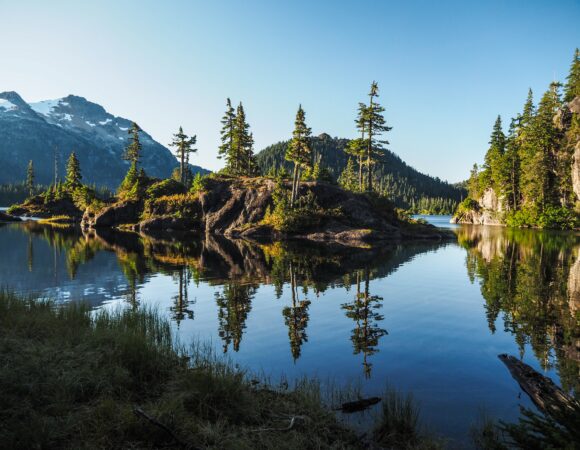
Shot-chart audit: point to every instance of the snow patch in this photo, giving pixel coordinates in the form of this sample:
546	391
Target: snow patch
120	138
67	117
6	105
123	128
45	107
105	122
90	124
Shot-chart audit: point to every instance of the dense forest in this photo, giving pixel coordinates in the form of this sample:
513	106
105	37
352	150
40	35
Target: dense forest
528	175
405	186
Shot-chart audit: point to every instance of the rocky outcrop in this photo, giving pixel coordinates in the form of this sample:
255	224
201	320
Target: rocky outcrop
576	170
114	215
38	207
237	208
487	211
8	218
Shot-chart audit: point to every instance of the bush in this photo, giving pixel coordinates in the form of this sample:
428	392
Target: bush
164	188
199	184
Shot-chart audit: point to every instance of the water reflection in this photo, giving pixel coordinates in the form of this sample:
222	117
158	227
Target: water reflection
532	280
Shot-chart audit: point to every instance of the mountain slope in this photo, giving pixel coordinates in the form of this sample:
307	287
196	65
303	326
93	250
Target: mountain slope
35	131
403	184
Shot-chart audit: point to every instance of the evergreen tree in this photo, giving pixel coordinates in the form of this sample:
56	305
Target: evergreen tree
133	150
184	145
495	171
348	178
30	178
227	132
240	159
572	88
73	172
512	165
375	125
299	151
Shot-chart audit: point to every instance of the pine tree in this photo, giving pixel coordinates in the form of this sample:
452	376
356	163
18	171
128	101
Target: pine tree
357	147
227	132
543	142
184	145
348	178
494	174
512	164
572	88
299	151
240	159
30	178
73	172
375	126
133	151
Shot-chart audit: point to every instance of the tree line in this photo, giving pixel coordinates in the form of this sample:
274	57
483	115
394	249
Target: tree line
529	169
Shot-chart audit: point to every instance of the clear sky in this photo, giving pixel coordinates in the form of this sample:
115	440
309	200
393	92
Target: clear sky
445	68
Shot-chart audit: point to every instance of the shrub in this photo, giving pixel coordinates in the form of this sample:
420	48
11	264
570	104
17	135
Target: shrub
163	188
199	183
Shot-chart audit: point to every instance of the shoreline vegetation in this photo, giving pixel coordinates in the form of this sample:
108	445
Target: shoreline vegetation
120	379
100	379
239	201
531	175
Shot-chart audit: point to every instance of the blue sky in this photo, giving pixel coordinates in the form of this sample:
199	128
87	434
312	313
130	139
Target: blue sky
445	68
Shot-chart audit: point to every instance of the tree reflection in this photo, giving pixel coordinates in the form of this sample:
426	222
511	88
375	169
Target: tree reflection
234	304
180	309
531	280
296	317
364	311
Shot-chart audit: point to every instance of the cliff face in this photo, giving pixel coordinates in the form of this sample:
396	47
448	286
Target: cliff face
488	211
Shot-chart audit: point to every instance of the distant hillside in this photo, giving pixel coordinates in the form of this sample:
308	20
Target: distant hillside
33	132
404	185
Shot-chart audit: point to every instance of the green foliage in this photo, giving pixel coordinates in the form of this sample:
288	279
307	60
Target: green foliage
200	183
165	187
402	184
237	143
75	377
133	186
133	150
73	172
184	147
572	88
348	179
30	178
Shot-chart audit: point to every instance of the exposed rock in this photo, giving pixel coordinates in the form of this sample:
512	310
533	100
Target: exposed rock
237	207
576	170
574	105
36	207
574	286
114	215
8	218
488	211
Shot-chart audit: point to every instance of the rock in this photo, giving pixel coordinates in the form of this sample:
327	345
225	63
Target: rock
8	218
114	215
574	105
576	170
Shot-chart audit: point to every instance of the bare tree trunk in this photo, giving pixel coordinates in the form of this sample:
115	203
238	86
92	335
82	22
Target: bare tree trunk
294	180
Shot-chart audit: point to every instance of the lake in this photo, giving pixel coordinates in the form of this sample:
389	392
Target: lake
423	317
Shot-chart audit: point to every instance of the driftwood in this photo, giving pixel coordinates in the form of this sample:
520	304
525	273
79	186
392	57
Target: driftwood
548	397
288	428
358	405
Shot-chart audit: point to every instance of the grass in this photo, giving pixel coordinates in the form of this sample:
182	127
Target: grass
71	378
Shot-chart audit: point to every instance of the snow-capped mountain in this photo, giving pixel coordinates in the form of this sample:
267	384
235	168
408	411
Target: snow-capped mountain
35	131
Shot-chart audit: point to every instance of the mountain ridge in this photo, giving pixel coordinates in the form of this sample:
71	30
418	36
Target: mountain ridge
35	131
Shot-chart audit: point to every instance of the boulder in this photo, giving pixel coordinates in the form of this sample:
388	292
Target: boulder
114	215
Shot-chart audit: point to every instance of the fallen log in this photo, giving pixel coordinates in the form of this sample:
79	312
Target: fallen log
546	395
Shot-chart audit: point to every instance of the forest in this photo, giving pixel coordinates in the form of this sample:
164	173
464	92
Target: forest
530	169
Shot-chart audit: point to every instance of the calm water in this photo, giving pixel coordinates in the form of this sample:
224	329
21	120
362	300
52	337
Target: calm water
429	318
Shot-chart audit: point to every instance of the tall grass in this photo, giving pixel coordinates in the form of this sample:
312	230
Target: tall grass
70	378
